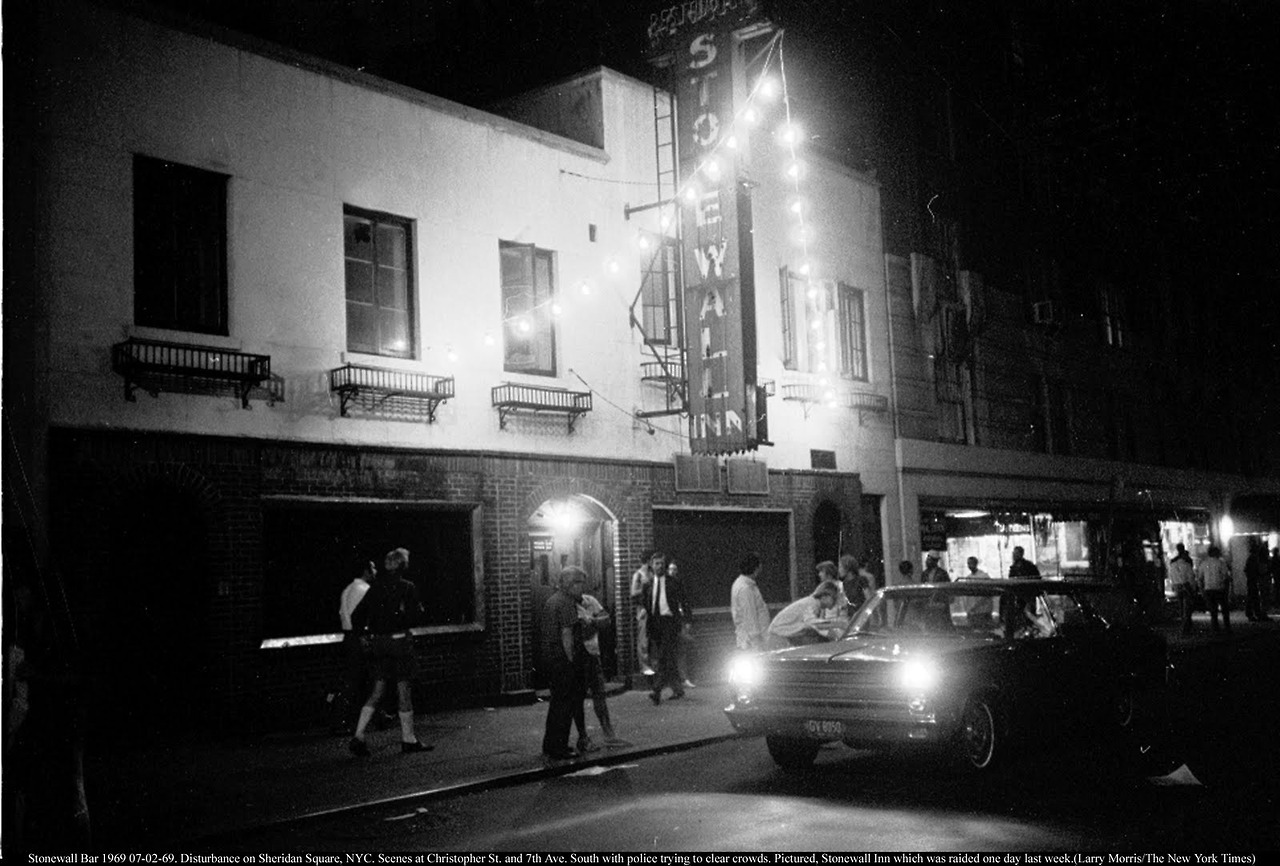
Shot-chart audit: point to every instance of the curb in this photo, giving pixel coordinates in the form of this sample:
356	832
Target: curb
472	786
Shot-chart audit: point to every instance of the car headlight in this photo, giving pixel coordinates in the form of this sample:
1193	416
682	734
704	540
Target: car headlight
918	674
745	671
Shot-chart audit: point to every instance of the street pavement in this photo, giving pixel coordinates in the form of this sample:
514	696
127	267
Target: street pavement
183	794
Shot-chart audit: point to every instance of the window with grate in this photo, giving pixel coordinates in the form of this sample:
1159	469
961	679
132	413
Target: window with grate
179	247
378	251
790	285
528	299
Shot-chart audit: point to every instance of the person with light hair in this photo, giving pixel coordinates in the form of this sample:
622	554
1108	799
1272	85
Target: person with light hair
804	621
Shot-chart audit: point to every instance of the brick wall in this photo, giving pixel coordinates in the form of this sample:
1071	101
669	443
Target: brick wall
218	486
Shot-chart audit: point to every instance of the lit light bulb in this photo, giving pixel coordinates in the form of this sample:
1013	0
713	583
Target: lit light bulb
793	170
804	272
768	88
713	169
585	288
822	366
796	207
665	222
750	115
731	142
831	404
790	134
613	266
453	356
691	195
816	324
488	339
813	293
524	326
556	309
643	241
822	345
830	395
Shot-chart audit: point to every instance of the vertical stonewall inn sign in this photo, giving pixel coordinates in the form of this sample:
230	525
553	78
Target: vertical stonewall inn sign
719	275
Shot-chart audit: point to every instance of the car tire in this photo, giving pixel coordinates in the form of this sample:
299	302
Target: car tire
792	754
980	742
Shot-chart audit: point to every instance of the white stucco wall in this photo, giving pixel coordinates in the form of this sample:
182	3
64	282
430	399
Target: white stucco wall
299	140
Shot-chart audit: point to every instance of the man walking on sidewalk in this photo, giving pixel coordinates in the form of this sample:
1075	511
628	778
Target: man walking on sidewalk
1215	580
564	658
1182	577
667	614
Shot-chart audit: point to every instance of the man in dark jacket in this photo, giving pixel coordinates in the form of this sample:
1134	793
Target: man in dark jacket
668	612
563	656
383	619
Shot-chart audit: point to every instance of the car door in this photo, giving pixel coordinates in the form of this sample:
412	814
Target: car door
1036	666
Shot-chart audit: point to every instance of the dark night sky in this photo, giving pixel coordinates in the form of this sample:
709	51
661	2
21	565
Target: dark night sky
1170	107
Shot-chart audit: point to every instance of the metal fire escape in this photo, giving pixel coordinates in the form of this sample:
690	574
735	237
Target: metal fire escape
658	304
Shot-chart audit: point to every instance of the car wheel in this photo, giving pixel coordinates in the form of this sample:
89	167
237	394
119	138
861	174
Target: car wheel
980	743
792	754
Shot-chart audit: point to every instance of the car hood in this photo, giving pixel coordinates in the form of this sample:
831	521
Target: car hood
882	648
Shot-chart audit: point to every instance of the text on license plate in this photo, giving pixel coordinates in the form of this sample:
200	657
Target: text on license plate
824	728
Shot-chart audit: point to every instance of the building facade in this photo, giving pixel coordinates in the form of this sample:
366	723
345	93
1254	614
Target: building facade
269	318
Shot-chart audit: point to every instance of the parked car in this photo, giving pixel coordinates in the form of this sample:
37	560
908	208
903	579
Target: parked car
975	666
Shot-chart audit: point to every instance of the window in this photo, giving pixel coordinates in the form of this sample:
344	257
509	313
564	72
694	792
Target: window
790	283
528	295
313	549
379	275
1114	324
853	333
179	247
658	314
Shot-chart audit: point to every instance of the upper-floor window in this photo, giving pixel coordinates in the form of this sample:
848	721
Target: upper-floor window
792	286
1114	324
853	333
528	303
824	326
379	275
659	316
179	247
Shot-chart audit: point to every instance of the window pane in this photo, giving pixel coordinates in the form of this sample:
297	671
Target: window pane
517	266
391	245
362	328
393	290
527	294
358	238
359	281
394	329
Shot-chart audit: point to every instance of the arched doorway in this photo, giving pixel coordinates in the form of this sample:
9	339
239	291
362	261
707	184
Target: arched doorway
155	659
826	537
574	530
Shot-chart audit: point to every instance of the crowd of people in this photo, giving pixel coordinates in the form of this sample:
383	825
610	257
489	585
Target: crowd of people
378	611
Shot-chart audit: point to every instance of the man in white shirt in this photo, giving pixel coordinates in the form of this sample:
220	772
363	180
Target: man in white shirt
750	613
353	666
980	609
1182	577
1215	579
641	587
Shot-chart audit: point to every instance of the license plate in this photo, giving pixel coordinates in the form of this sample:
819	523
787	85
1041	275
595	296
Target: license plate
824	728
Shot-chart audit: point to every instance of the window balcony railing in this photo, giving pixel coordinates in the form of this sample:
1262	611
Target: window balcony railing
508	398
156	366
809	395
397	391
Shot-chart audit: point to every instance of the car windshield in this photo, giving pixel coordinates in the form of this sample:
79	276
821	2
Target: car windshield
953	611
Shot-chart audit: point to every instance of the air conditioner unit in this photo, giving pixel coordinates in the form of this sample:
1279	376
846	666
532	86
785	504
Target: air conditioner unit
1042	313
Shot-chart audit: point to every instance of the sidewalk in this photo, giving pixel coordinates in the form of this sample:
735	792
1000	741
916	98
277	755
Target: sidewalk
189	791
184	792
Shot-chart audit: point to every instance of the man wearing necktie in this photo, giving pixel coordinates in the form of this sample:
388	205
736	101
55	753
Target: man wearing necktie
668	612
